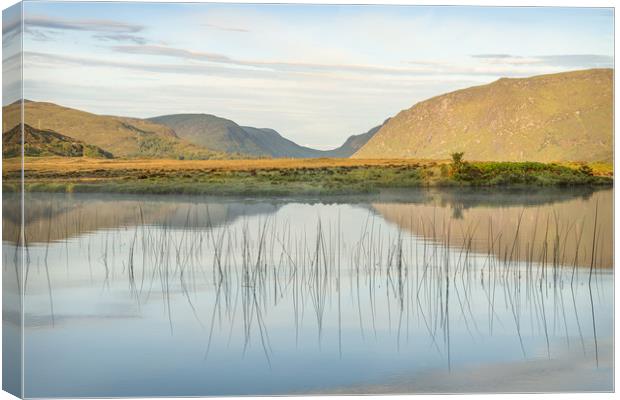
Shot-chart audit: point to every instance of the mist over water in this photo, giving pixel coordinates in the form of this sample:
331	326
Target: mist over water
407	291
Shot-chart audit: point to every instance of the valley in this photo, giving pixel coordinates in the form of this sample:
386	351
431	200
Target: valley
548	130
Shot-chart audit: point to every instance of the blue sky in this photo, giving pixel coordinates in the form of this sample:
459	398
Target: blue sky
315	73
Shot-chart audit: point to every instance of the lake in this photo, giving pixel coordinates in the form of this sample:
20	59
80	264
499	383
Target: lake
413	291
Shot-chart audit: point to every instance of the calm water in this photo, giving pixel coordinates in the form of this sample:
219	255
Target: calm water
420	291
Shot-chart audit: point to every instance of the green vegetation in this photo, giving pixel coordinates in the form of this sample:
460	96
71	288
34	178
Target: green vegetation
521	173
525	173
336	180
40	143
457	161
267	178
156	146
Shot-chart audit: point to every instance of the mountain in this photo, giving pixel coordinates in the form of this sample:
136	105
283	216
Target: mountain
121	136
46	143
354	143
227	136
559	117
275	145
278	146
210	131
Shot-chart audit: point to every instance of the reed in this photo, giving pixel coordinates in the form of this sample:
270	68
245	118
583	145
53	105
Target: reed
393	279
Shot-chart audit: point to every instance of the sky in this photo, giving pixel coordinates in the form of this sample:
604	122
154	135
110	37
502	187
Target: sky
315	73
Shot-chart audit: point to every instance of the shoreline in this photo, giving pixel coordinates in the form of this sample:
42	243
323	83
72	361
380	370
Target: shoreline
281	177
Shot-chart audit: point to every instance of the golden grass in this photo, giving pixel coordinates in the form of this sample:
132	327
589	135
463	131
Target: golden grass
61	165
279	176
64	164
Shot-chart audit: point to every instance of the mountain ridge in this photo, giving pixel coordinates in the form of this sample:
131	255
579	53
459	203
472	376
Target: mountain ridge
566	116
223	134
121	136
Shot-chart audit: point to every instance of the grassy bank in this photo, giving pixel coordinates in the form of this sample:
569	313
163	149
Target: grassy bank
287	176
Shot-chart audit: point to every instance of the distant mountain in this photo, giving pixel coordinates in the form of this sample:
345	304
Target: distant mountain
354	143
46	143
275	145
121	136
559	117
170	136
212	132
227	136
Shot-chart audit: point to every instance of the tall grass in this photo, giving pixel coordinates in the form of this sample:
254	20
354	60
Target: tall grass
394	280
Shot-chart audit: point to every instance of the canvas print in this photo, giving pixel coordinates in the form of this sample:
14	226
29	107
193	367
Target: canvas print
205	199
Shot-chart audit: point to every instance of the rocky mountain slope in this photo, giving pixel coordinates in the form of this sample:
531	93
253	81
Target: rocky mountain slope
47	143
559	117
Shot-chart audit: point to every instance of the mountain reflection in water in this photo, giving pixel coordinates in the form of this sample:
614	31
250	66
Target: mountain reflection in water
254	296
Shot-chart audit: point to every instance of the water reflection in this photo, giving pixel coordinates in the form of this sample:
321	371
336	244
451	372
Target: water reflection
207	297
502	222
53	216
508	225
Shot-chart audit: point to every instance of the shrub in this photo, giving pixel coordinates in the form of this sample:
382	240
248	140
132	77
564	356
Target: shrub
457	161
457	158
586	170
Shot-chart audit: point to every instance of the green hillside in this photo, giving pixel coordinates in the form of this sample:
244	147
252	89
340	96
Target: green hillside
275	145
46	143
213	132
121	136
559	117
227	136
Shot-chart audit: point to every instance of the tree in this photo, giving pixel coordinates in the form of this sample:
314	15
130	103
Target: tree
457	161
457	158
